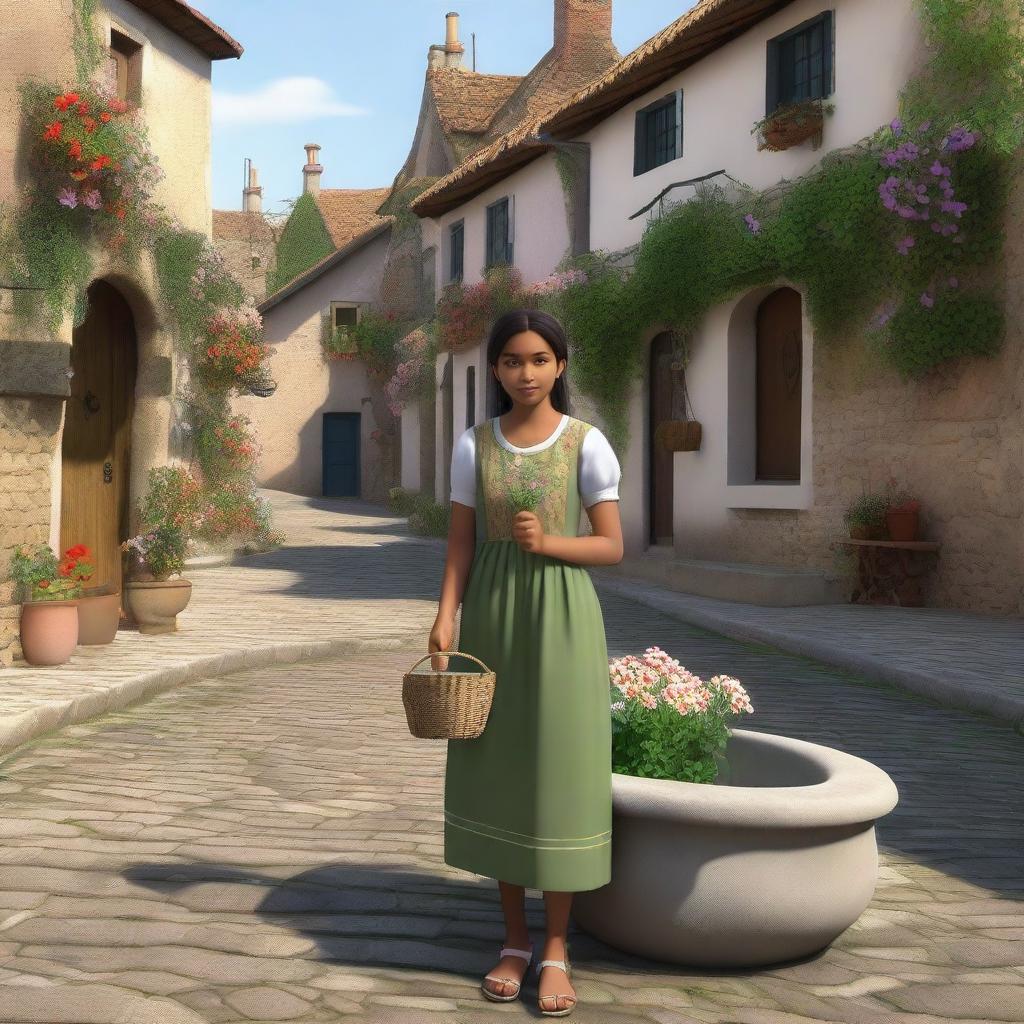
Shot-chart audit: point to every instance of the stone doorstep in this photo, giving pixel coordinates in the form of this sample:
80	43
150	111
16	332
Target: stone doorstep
767	585
121	692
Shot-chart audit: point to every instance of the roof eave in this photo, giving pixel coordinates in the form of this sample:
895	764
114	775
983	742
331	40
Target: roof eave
193	26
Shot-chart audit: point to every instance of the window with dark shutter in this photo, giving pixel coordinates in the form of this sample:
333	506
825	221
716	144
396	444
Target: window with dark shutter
456	242
800	63
125	66
499	248
658	133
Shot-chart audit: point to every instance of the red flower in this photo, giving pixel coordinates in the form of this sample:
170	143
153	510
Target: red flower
43	584
120	212
89	123
105	116
65	569
75	150
62	103
72	97
100	162
83	107
78	551
118	106
79	175
53	130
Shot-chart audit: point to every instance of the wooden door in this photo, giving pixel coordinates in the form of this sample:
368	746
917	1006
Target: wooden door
96	444
779	375
660	405
341	455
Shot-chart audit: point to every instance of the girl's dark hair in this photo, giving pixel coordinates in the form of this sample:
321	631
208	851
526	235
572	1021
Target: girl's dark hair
515	321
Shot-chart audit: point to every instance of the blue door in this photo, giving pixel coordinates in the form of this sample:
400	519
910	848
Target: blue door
341	455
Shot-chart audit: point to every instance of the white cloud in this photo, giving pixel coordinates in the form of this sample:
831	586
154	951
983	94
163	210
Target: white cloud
281	101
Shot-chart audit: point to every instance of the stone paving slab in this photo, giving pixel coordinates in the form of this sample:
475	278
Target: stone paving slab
268	846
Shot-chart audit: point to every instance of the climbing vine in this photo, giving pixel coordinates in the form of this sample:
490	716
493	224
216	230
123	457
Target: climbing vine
304	241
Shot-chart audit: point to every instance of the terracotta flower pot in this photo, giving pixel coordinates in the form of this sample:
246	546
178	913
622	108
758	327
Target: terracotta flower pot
902	525
99	611
49	631
155	604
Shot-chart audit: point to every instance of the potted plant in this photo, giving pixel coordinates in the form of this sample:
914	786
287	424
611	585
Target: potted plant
770	862
154	599
902	513
866	517
99	608
790	124
49	611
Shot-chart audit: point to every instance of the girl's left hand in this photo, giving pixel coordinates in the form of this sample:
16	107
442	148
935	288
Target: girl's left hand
528	532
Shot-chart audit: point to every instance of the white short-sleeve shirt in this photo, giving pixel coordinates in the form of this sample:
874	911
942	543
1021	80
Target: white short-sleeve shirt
599	471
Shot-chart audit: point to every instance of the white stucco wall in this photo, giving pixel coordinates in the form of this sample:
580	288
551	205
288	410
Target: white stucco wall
289	424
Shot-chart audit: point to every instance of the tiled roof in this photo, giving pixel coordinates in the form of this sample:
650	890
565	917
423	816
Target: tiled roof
467	101
237	226
348	212
709	25
190	24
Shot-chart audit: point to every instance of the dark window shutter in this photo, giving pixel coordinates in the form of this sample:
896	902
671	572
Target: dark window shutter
638	144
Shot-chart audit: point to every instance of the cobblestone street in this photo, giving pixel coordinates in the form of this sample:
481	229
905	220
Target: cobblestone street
267	846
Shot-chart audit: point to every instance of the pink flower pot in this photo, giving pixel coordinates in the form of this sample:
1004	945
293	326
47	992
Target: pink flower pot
99	611
902	525
155	603
49	631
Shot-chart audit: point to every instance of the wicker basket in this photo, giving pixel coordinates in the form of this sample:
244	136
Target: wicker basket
678	435
447	705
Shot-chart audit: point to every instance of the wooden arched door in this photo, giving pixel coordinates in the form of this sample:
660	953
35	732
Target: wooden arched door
96	445
660	404
779	390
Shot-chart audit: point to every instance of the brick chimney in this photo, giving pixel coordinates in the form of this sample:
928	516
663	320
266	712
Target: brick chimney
450	54
579	22
312	171
252	195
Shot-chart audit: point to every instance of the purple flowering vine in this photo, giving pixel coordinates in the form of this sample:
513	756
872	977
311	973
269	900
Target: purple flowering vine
753	223
67	197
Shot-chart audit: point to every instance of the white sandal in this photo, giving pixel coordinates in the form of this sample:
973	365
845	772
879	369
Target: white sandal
562	965
527	955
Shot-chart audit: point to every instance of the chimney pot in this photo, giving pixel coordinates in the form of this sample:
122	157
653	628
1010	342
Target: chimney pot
252	195
313	169
451	42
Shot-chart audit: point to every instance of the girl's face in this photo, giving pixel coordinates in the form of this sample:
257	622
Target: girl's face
528	362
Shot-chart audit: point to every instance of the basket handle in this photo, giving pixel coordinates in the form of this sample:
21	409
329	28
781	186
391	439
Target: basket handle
446	654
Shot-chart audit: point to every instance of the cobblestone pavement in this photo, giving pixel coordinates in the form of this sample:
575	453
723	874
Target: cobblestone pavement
268	846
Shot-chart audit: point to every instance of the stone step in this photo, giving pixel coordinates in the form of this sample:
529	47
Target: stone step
772	585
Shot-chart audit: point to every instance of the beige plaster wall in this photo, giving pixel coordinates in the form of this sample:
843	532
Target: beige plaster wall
289	424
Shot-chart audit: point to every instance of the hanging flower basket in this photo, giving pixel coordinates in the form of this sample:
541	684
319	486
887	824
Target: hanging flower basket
792	124
679	435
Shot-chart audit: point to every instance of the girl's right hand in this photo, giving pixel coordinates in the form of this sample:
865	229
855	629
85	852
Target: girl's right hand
440	640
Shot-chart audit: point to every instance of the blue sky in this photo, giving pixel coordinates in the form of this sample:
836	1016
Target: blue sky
349	75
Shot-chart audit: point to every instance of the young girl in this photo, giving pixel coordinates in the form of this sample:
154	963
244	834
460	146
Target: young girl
529	801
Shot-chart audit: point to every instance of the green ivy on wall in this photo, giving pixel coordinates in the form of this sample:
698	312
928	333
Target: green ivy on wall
304	241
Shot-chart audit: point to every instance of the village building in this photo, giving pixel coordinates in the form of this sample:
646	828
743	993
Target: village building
85	414
756	512
329	430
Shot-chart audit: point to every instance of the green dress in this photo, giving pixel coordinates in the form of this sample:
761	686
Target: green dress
529	801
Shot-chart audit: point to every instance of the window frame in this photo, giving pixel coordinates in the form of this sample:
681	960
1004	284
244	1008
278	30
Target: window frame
457	272
774	54
341	304
126	53
642	132
508	202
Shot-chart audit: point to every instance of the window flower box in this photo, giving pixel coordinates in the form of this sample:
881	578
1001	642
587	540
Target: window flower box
791	125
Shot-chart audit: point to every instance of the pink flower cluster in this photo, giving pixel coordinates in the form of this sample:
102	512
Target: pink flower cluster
557	282
658	678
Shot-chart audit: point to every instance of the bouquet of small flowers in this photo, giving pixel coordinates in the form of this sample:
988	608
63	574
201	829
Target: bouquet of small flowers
234	352
668	723
162	550
524	489
43	577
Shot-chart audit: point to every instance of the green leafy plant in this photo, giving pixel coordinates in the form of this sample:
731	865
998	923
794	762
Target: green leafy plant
867	510
667	723
160	551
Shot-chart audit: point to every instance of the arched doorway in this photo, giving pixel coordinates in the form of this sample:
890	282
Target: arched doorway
779	374
660	384
96	444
